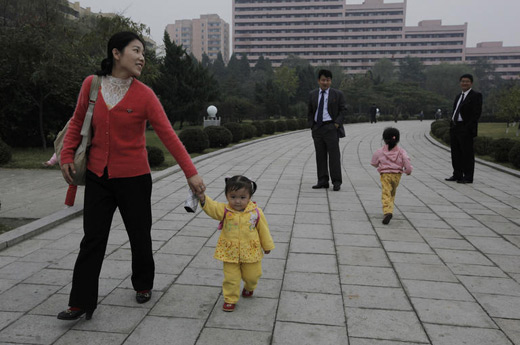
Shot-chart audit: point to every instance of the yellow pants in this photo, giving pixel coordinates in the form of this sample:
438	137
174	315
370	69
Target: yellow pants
389	184
250	273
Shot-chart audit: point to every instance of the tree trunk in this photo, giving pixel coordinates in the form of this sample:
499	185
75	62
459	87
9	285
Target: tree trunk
40	118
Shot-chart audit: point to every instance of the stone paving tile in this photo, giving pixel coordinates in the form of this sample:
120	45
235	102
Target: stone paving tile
312	282
187	301
449	335
289	333
401	235
436	290
508	263
494	245
34	329
407	247
511	328
365	341
414	258
165	331
301	307
108	319
373	276
90	338
183	245
20	271
314	263
449	243
500	306
24	297
463	257
312	231
356	240
385	324
254	314
454	313
362	256
476	270
7	317
212	336
499	286
316	246
373	297
439	273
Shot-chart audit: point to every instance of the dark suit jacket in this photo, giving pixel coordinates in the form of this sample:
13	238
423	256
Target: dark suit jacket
336	106
470	110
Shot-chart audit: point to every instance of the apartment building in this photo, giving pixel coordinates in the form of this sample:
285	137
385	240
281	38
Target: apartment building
354	36
208	34
506	60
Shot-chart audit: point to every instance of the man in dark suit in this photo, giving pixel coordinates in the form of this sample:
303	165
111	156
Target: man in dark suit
326	109
373	112
464	123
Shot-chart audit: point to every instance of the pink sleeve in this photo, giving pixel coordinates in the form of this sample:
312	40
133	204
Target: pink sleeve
169	138
375	159
406	163
73	135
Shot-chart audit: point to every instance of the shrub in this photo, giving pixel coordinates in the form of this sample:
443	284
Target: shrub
5	153
260	128
362	118
194	139
387	118
269	127
248	130
236	130
291	124
483	145
441	132
155	156
501	148
280	126
218	136
514	155
446	137
302	123
438	124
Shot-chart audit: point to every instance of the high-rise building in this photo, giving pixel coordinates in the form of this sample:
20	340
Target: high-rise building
356	36
209	34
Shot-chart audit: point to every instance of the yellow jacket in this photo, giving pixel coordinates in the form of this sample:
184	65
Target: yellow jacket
240	240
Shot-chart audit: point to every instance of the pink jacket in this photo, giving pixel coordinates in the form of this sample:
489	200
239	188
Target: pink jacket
394	161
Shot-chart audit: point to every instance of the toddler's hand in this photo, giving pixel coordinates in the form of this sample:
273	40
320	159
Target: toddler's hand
267	251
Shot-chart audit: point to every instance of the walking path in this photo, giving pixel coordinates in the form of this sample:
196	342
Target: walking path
445	271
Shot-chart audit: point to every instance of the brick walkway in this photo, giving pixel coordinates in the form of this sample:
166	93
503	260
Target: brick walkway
446	271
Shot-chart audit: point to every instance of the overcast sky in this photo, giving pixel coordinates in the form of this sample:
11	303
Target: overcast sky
488	20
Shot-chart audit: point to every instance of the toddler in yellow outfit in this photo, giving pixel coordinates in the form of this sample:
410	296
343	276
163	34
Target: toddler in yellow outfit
391	161
243	240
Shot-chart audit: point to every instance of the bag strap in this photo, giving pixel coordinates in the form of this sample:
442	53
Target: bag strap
94	88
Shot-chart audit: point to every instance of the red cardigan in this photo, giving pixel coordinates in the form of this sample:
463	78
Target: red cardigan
118	141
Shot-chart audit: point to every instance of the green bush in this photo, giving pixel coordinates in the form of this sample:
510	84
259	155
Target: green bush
235	129
501	148
437	124
406	116
248	130
387	118
441	132
280	126
218	136
269	127
5	153
446	137
260	128
362	118
514	155
194	139
155	156
483	145
302	123
291	124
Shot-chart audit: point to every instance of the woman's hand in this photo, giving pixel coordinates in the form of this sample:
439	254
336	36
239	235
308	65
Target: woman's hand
67	170
196	184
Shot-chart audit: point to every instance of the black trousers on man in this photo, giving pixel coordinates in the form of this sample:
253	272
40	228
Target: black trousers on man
102	196
462	153
326	144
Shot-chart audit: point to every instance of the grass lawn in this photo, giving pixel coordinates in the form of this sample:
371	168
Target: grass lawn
497	130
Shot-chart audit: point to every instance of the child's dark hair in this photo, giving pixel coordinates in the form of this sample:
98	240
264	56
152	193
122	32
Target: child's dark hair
238	182
391	137
118	41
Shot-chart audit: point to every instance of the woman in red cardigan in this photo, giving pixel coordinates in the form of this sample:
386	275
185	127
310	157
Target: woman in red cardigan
118	173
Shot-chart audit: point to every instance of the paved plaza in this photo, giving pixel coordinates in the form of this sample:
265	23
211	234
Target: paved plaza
445	271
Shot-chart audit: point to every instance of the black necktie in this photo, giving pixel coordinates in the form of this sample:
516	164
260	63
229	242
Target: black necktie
319	118
457	111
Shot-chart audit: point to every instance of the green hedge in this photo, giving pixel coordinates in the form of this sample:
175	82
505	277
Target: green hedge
235	129
194	139
248	131
155	156
218	136
269	127
501	148
260	128
483	146
514	155
6	154
280	126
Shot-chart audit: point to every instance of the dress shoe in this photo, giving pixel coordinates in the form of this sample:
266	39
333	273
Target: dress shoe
320	185
387	218
74	314
464	181
452	178
143	296
336	187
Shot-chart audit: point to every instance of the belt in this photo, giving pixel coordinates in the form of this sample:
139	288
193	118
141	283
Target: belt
326	122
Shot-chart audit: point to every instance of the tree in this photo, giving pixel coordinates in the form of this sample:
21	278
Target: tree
443	79
411	69
509	105
384	71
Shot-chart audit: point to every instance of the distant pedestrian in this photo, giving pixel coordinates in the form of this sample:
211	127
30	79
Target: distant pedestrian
71	191
421	115
373	113
244	234
438	115
391	161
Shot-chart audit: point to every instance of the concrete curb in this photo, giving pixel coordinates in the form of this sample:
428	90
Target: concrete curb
39	226
498	167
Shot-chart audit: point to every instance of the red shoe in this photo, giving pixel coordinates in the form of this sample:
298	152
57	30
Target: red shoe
246	293
228	307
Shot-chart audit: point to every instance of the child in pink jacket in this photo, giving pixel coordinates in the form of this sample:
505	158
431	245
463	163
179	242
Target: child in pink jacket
390	160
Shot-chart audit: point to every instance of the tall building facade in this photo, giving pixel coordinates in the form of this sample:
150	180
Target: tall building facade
207	35
356	36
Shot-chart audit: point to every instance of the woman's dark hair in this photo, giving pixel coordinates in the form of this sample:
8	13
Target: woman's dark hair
118	41
391	137
238	182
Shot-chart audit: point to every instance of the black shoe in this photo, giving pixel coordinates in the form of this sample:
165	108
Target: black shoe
387	218
70	314
143	296
452	178
464	181
320	185
336	187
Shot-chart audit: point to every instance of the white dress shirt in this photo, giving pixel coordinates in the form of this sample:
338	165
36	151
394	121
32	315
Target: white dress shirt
326	115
